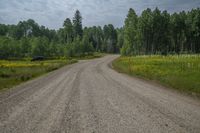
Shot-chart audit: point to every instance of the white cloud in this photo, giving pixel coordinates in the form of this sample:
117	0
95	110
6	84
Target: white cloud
52	13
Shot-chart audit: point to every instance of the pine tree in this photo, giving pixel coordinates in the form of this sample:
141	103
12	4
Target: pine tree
77	24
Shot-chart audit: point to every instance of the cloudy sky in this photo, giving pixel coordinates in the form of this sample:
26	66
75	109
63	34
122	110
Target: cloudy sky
52	13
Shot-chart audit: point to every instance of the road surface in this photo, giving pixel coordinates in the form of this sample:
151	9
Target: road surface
90	97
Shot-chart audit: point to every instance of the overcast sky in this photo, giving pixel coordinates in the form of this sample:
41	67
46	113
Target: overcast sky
51	13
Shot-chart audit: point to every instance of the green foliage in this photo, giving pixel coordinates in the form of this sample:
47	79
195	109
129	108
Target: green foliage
77	24
15	72
39	47
180	72
3	29
68	31
87	47
110	39
25	47
9	48
153	32
96	36
74	48
130	34
120	38
80	47
28	39
156	32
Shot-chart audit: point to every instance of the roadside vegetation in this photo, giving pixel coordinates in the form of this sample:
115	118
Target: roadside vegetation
170	39
180	72
28	39
154	32
159	32
16	72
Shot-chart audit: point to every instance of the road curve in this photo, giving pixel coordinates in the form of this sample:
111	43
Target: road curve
90	97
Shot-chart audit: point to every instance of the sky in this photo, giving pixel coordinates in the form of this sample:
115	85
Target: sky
52	13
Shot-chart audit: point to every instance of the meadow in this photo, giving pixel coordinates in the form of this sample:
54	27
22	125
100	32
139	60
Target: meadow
181	72
16	72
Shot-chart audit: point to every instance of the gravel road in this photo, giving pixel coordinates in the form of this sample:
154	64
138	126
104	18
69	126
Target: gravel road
90	97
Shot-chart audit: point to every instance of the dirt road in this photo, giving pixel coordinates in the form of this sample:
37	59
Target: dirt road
90	97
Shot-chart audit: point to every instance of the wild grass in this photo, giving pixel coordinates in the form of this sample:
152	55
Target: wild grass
181	72
15	72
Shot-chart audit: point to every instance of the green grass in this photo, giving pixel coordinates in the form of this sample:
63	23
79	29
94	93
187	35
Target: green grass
180	72
15	72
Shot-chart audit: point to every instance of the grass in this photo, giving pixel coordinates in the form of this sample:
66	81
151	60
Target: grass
15	72
180	72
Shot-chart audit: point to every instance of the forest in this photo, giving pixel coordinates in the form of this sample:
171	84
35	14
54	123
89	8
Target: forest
152	32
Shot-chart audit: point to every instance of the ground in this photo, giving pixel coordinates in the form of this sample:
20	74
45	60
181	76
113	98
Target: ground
91	97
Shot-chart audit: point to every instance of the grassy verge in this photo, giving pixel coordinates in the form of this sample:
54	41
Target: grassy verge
180	72
16	72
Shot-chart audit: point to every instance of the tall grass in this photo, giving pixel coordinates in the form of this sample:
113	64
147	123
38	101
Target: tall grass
15	72
181	72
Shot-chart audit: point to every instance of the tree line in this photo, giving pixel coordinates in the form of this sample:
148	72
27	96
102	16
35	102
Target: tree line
158	32
152	32
29	39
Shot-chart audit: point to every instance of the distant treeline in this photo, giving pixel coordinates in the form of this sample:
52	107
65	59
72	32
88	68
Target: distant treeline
153	32
28	39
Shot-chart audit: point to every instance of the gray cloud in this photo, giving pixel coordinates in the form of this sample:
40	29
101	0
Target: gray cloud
52	13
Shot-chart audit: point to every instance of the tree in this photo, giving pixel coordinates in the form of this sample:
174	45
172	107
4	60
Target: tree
153	32
87	47
95	35
4	47
178	31
9	48
145	26
110	39
165	45
157	31
3	29
77	24
25	47
130	46
68	30
32	28
75	48
196	30
61	35
40	46
120	39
